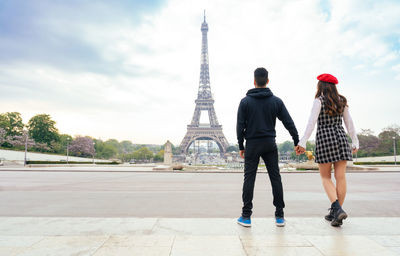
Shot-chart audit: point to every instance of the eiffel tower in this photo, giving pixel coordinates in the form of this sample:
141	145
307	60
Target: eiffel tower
205	104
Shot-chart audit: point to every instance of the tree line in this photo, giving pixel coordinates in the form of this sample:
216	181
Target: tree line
370	144
40	134
380	145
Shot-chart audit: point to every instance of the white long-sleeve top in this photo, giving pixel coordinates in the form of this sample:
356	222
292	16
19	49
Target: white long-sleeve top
316	109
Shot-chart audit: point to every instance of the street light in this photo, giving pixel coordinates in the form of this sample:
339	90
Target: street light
67	150
394	150
26	146
94	151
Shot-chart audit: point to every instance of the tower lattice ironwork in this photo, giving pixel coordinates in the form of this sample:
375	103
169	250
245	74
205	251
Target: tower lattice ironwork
205	104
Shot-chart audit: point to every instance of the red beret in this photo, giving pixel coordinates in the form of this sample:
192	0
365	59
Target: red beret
328	78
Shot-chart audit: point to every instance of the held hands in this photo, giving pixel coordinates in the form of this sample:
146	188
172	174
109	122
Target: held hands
355	150
241	153
299	150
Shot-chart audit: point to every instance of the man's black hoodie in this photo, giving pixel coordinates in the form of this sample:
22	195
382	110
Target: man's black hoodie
257	115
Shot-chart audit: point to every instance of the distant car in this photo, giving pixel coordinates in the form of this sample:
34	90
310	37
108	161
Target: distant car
132	161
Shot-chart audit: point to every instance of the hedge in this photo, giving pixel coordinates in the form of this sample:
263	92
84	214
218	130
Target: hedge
375	163
69	162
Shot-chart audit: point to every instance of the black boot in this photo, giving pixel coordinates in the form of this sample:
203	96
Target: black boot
329	217
338	214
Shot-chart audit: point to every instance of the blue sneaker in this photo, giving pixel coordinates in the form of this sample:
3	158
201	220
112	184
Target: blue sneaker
245	222
280	221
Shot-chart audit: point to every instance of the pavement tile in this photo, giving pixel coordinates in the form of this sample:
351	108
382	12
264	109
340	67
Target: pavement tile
10	251
282	251
351	226
193	226
133	251
207	245
372	226
12	245
267	226
19	241
139	241
348	246
275	240
65	245
386	240
395	250
53	226
219	226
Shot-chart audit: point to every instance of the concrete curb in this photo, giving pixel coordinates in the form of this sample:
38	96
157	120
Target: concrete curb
191	171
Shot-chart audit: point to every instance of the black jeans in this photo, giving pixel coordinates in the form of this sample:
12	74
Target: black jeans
267	149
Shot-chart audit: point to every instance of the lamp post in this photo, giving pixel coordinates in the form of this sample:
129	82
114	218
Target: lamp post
394	150
26	146
94	151
67	150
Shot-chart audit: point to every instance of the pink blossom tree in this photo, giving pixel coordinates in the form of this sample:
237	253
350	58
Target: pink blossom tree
82	146
20	140
2	136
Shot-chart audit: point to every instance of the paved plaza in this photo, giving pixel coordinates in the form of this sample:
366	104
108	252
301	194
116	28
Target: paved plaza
200	236
148	213
185	195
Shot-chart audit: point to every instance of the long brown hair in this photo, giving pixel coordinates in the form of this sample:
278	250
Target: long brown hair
334	102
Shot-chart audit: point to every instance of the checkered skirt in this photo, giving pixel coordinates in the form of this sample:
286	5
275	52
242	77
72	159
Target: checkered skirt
331	144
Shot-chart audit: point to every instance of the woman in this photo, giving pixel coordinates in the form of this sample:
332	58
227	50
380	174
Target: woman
331	145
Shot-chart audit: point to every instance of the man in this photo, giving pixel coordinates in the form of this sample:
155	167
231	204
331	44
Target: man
256	120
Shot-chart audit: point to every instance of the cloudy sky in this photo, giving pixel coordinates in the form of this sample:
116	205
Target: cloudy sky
130	69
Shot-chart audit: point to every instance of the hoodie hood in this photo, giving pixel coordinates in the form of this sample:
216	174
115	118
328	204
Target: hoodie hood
259	92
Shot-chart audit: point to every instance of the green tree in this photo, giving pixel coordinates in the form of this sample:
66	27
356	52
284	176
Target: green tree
386	140
310	146
12	123
43	129
286	146
108	151
159	157
105	150
60	146
369	143
127	146
232	148
143	154
176	150
127	157
115	144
